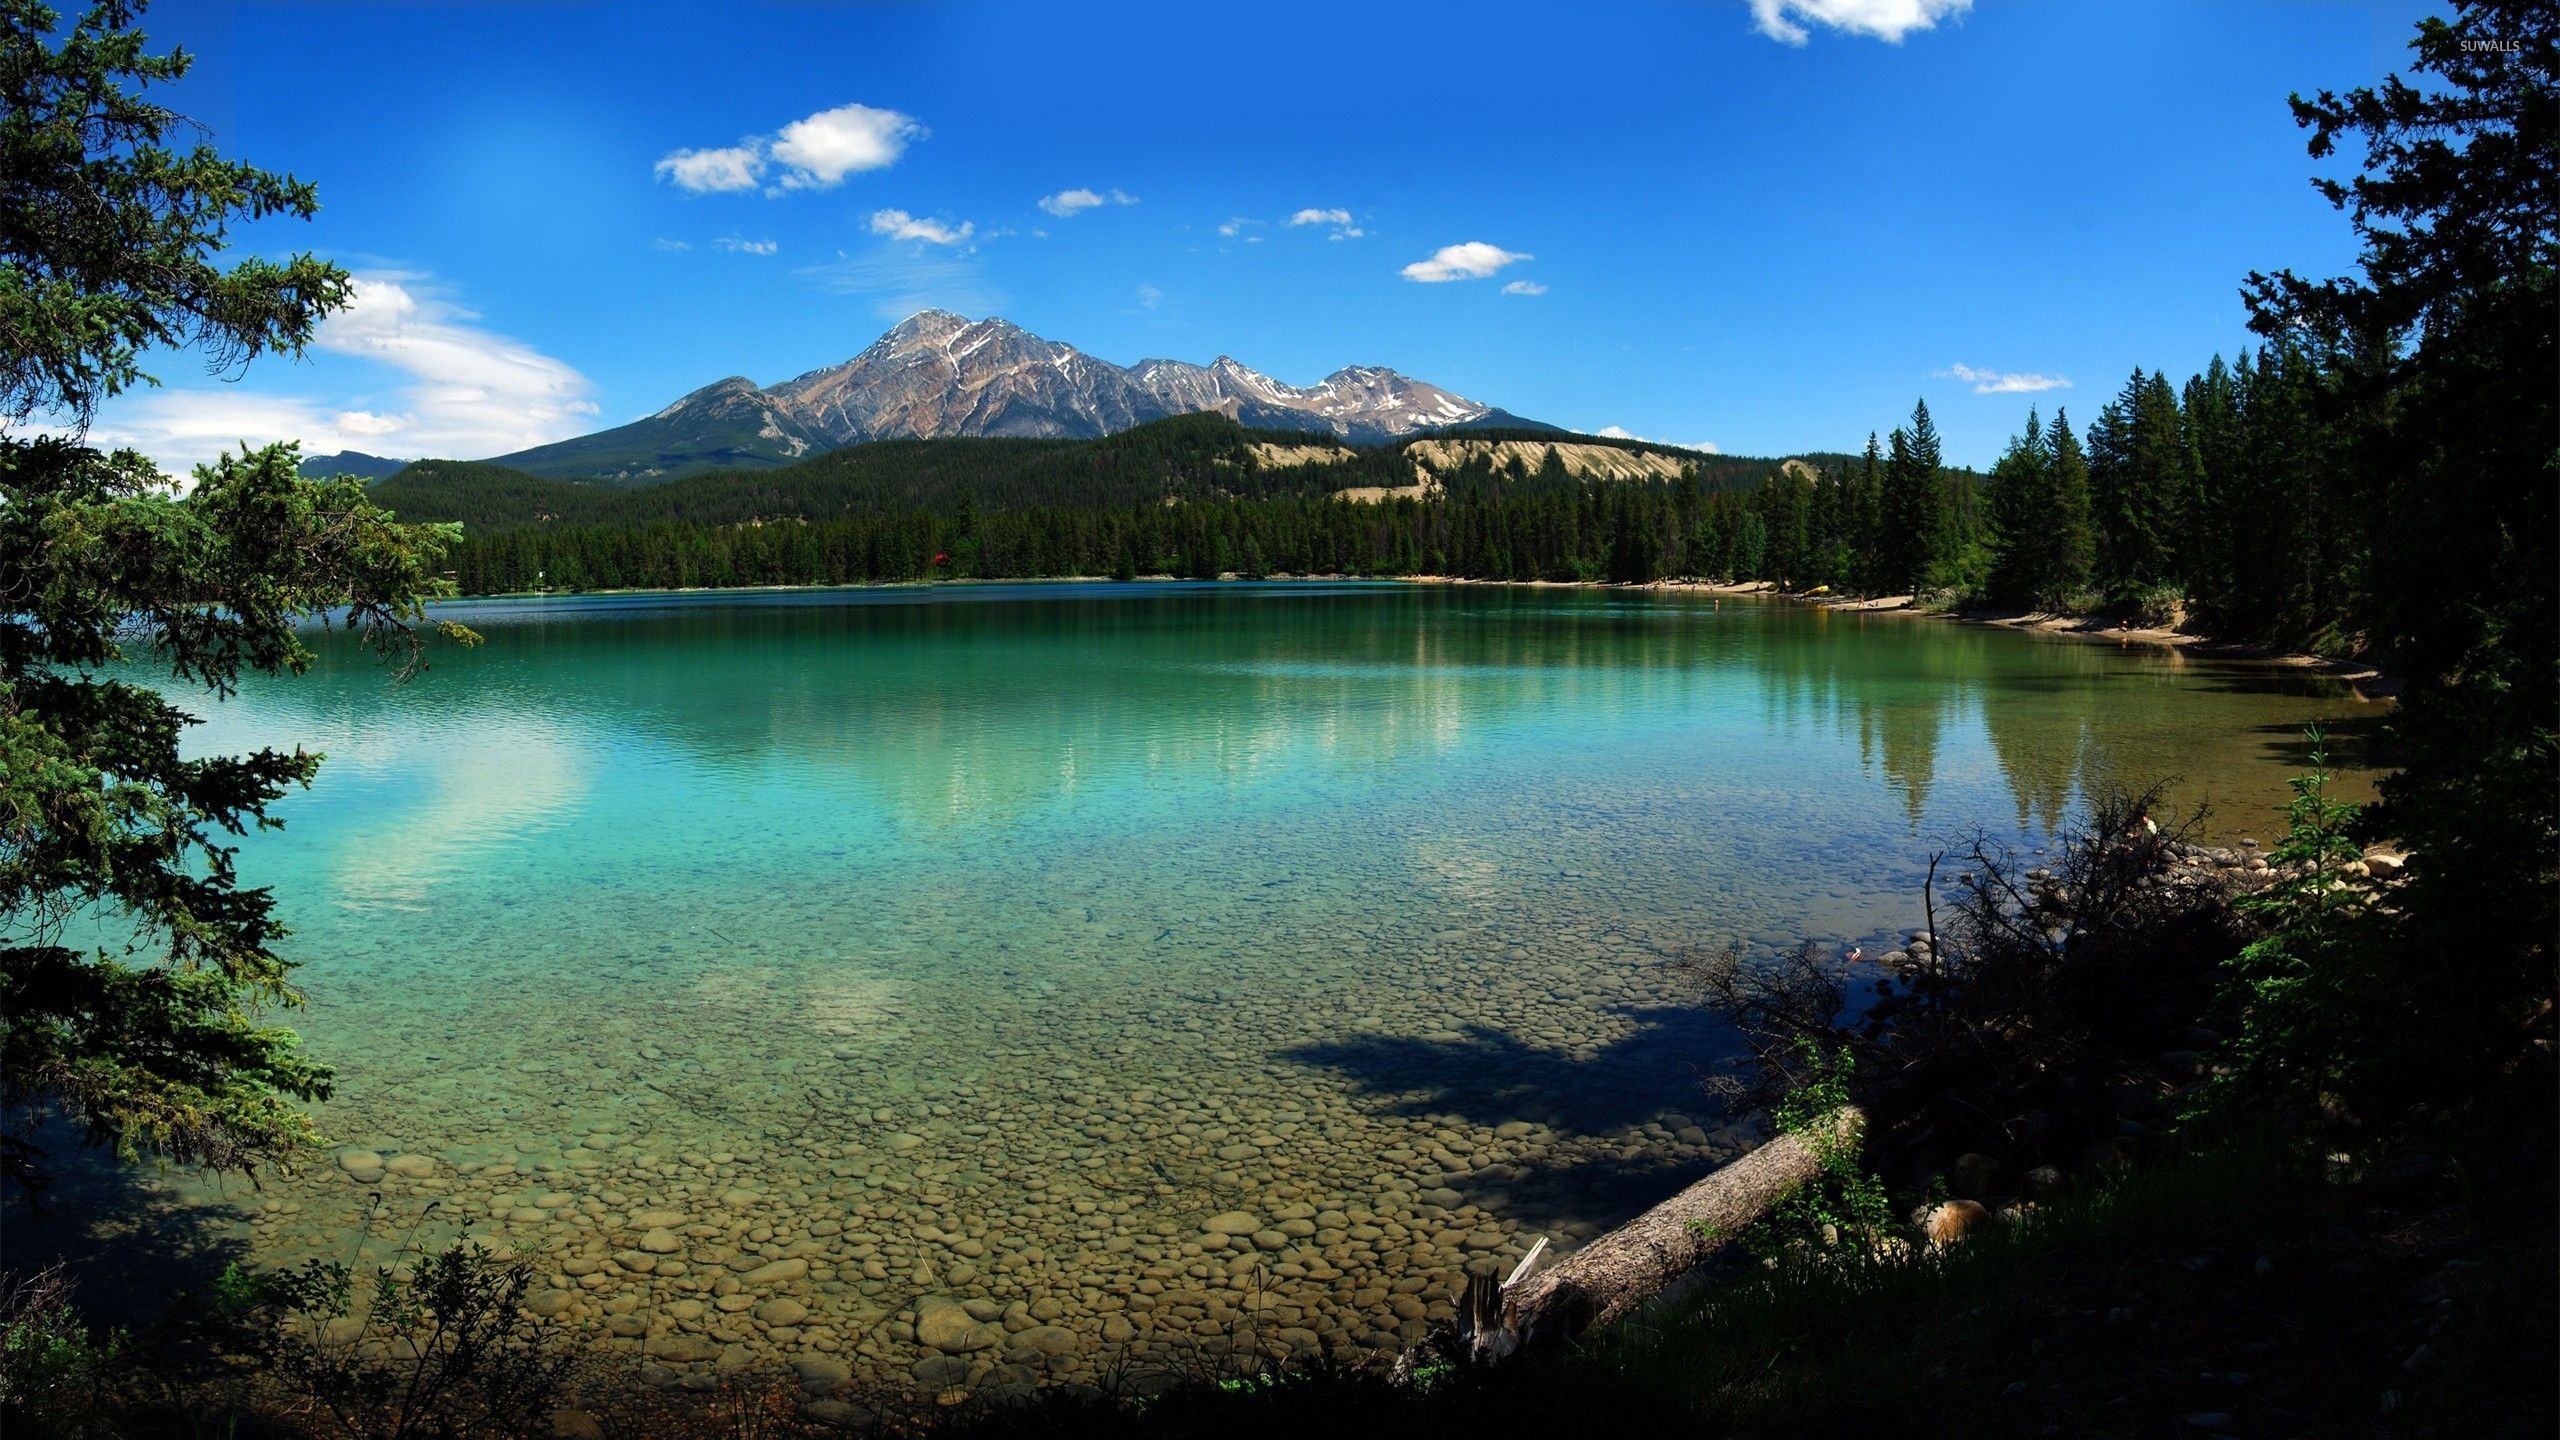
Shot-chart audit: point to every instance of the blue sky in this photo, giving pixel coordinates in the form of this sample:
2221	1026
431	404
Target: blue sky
1765	225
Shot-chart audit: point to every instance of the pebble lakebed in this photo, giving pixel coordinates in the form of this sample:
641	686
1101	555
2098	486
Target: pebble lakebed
1073	1211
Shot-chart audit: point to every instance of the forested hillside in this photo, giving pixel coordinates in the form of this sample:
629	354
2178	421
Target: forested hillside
1185	496
2225	498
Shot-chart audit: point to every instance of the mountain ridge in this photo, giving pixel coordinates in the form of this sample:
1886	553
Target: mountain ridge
938	374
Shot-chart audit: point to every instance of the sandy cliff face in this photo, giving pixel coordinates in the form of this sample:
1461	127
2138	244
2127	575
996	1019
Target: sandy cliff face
1432	458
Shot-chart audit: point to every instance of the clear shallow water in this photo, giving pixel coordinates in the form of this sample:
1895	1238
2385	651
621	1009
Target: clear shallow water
1010	943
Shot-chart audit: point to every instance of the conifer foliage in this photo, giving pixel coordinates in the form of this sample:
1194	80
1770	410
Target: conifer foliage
134	968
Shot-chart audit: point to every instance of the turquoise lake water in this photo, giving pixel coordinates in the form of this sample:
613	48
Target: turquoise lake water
1008	943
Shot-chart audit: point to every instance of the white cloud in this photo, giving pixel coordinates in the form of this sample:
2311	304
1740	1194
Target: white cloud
737	246
1079	200
1338	218
899	225
662	243
1149	297
705	172
1235	228
832	144
464	391
1621	432
1473	260
1524	287
814	153
1887	20
1993	382
365	422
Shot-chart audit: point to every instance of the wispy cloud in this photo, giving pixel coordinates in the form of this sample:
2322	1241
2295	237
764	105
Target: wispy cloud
1149	297
1887	20
1994	382
900	280
1621	432
663	243
1235	229
1473	260
899	225
1524	287
813	153
1338	218
463	391
736	245
1077	201
708	172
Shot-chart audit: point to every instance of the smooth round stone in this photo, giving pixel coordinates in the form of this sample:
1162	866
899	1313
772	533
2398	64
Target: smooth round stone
1049	1339
1232	1222
782	1312
819	1374
945	1324
661	1242
410	1167
682	1349
547	1303
356	1162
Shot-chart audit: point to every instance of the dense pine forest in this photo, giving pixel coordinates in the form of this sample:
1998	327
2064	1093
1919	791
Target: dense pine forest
2224	499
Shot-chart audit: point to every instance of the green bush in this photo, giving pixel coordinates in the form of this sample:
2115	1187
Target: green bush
55	1374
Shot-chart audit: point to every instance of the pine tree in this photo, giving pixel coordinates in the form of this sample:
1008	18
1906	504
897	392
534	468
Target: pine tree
1866	519
2074	544
2138	477
108	251
1913	520
2019	506
2215	527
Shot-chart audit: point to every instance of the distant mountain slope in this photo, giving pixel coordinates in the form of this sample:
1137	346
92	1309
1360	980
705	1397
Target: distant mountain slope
350	462
485	493
938	375
726	425
1187	458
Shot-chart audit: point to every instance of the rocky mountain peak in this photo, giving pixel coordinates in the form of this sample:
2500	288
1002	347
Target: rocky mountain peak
734	388
936	373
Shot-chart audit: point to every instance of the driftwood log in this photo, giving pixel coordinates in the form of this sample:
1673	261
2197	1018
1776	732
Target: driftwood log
1613	1276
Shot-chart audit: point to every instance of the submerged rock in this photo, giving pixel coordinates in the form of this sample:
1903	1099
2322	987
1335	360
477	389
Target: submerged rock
943	1323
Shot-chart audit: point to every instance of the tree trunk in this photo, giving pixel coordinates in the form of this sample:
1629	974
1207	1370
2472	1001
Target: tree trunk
1613	1276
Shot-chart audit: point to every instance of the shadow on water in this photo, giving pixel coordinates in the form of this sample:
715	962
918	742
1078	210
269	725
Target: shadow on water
2355	743
122	1231
1640	1088
1486	1076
